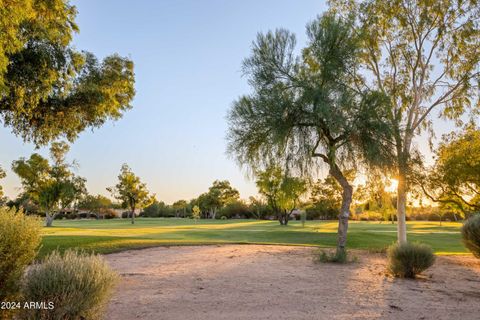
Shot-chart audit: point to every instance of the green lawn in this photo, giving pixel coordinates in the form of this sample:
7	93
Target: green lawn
105	236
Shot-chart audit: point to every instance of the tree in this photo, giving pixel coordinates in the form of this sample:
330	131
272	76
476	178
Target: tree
425	57
454	179
219	194
196	213
180	206
307	108
95	204
281	191
53	187
131	191
49	90
325	198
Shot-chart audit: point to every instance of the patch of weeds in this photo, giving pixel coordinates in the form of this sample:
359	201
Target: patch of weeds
337	256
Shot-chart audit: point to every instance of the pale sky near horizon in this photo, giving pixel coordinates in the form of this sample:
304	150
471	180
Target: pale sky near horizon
187	57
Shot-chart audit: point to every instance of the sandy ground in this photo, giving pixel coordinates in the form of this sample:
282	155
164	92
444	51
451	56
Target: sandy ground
276	282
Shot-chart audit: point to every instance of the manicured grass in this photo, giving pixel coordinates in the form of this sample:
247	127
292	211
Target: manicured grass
105	236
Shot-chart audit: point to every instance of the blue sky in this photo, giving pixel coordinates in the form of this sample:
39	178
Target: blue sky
187	56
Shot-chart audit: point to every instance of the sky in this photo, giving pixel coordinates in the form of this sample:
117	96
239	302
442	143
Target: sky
187	56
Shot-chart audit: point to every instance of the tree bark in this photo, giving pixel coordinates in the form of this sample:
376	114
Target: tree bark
133	216
345	208
49	219
402	207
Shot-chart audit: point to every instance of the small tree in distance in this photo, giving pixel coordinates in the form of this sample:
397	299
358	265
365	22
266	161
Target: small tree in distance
196	213
130	191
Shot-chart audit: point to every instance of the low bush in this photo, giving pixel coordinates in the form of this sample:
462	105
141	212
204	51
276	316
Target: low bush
409	259
338	256
78	284
471	234
20	237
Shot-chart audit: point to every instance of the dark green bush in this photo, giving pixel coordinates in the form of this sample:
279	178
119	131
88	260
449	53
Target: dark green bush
78	284
471	234
20	236
409	259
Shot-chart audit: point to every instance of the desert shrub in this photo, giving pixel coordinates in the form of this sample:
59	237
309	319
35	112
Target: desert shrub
19	241
409	259
471	234
78	284
337	256
223	218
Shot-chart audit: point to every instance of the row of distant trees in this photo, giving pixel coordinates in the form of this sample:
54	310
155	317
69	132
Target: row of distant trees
50	187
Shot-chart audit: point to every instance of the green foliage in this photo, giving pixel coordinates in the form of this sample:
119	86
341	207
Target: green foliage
235	209
325	199
78	284
339	256
48	89
96	204
20	238
423	56
50	186
131	191
281	191
196	213
220	194
223	218
406	260
454	180
471	234
3	200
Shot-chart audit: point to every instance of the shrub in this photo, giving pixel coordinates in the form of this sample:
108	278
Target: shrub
78	284
409	259
19	241
223	218
339	256
471	234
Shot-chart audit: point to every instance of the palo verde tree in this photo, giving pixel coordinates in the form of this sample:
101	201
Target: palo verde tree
53	187
454	179
49	90
131	191
425	57
308	108
281	191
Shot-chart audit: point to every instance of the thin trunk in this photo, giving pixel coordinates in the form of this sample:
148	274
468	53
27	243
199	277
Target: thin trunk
133	216
402	207
345	208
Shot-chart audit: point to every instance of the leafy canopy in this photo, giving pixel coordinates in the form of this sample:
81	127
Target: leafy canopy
48	89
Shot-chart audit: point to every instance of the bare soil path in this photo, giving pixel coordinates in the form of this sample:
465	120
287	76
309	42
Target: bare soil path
278	282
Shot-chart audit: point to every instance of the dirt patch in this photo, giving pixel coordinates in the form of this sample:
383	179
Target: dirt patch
277	282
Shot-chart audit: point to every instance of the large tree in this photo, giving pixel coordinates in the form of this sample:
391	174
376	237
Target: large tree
131	191
425	57
281	191
454	179
53	187
48	89
308	107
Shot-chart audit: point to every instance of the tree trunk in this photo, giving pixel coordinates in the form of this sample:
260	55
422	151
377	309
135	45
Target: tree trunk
49	219
402	207
133	216
345	208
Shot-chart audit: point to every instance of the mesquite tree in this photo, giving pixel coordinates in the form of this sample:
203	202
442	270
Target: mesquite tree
425	57
308	107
